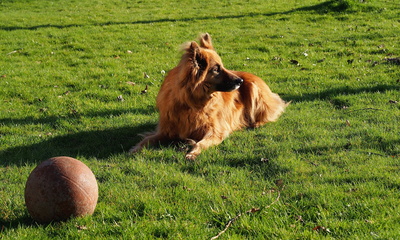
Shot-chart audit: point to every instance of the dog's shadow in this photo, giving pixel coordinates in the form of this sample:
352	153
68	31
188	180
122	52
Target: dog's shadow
98	144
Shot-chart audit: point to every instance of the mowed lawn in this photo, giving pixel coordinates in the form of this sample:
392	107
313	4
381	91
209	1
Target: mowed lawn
80	78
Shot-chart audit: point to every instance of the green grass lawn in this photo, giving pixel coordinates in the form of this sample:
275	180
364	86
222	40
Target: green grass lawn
72	75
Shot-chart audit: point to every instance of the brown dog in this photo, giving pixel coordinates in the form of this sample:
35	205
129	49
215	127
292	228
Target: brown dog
202	102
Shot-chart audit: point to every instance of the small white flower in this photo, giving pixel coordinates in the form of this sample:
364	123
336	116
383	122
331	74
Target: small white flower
120	98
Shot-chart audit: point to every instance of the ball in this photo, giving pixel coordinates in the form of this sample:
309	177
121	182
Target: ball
60	188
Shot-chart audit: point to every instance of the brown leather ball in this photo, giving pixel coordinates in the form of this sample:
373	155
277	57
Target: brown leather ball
60	188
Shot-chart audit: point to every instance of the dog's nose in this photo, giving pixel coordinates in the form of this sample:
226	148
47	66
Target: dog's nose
238	81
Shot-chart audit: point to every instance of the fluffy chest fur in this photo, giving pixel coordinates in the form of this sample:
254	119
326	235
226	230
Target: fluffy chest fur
219	115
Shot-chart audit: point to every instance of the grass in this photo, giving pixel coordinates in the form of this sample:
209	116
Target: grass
333	156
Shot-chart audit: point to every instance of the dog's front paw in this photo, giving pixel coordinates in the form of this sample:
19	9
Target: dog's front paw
191	156
194	152
134	149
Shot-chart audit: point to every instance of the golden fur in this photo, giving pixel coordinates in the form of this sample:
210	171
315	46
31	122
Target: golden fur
202	102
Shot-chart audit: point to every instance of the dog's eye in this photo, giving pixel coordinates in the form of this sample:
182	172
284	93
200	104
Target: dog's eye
216	69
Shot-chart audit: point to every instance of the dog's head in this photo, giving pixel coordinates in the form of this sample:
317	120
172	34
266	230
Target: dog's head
206	68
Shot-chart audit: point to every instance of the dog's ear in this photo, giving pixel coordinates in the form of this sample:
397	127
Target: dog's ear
205	41
198	59
194	47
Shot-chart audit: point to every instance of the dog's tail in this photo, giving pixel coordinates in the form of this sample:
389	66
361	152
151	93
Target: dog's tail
261	104
275	106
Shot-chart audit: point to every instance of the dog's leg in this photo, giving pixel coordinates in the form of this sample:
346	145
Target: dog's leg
149	140
203	144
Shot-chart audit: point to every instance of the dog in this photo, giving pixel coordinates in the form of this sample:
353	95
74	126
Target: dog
202	102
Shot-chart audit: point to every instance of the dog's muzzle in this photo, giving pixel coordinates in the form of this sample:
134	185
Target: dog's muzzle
230	85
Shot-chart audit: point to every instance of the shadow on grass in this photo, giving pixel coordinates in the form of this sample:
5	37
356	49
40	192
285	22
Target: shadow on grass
94	143
52	120
330	93
100	144
24	221
334	6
